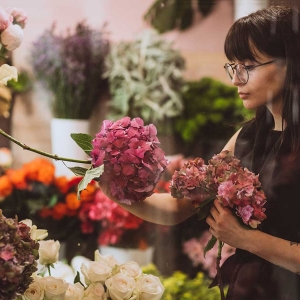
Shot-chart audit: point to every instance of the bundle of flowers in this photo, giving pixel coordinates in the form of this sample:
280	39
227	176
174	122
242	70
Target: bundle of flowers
71	67
132	160
18	254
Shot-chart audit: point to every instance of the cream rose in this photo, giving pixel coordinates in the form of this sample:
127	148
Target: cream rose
149	287
8	73
112	262
121	287
94	271
131	269
35	234
54	288
95	291
12	37
48	252
34	292
74	292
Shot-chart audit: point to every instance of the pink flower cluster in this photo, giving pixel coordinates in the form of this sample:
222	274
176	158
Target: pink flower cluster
194	249
12	22
133	162
225	179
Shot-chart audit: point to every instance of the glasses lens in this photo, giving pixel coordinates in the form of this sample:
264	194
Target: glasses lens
229	71
242	73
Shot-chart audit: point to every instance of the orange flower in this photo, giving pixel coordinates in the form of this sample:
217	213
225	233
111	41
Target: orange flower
59	210
6	186
89	193
17	177
62	184
45	212
72	201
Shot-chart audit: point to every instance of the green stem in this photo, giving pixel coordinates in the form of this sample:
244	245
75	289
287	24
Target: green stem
220	283
48	267
54	156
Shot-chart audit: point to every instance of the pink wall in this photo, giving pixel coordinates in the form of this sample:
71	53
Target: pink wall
201	45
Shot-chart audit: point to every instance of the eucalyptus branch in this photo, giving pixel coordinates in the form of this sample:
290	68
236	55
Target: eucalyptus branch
53	156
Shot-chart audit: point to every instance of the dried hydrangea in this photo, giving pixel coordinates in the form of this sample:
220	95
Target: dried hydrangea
225	179
18	255
133	162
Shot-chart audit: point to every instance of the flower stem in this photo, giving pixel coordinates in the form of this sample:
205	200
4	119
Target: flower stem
54	156
49	270
220	283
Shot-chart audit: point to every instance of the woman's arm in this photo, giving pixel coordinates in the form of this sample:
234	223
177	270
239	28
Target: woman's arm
226	228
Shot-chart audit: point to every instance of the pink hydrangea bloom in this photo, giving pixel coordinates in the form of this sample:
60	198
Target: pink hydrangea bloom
133	162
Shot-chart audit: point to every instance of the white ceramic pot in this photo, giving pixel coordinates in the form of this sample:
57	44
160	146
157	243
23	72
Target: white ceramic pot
122	255
64	146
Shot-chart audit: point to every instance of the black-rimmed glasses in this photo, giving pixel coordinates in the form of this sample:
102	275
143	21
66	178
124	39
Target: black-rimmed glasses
241	70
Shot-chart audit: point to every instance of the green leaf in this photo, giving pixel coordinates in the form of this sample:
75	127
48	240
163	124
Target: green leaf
210	245
88	177
77	279
79	171
84	141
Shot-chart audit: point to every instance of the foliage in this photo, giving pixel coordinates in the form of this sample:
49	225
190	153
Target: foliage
179	286
211	109
165	15
145	79
71	67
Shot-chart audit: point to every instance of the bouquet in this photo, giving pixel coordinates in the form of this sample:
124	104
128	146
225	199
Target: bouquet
223	178
71	67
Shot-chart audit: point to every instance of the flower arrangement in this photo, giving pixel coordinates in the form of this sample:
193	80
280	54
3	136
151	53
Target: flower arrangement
71	67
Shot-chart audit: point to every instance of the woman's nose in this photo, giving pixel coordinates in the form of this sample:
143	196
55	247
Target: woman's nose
235	80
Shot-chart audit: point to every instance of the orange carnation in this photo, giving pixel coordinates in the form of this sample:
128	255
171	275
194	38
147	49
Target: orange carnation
62	184
59	210
17	177
89	193
6	186
72	201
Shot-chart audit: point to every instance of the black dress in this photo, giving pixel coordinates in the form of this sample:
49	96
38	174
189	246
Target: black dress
250	277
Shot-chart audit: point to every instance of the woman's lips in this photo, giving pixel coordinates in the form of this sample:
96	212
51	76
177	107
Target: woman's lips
244	95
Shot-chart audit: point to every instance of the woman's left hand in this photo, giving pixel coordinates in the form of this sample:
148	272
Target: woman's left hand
224	225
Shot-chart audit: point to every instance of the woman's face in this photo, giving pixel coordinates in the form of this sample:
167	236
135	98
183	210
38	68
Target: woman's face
265	85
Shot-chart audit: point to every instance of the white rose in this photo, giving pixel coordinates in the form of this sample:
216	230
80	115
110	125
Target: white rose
12	37
120	287
34	292
112	262
8	73
48	252
62	270
74	292
35	234
54	288
131	269
94	271
149	287
95	291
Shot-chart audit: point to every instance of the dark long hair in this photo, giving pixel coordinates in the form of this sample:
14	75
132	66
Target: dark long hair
274	31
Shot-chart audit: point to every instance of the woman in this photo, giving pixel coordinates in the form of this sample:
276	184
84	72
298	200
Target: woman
264	53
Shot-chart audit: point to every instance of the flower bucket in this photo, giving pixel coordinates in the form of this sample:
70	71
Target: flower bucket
122	255
64	146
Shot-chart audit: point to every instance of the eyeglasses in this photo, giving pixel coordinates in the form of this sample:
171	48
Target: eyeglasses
241	70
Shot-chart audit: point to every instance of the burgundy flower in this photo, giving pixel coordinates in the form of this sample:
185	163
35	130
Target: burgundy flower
133	162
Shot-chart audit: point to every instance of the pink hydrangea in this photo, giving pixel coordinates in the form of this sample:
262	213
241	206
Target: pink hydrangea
133	162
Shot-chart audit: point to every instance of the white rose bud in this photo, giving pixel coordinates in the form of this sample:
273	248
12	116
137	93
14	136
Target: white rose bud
48	252
95	291
94	271
74	292
149	287
12	37
112	262
34	292
8	73
131	269
54	288
35	234
121	287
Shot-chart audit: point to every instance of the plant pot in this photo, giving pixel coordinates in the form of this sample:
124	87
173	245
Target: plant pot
64	146
122	255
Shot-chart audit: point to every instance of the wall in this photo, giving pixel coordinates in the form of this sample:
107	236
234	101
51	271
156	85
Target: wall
201	45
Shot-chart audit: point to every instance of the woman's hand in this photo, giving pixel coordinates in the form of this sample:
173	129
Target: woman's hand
224	225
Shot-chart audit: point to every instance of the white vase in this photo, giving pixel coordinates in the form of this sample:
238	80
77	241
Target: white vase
64	146
122	255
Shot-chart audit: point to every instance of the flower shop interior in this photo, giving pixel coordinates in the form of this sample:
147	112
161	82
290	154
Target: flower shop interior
83	62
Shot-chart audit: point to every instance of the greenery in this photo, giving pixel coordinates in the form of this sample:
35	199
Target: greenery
179	286
212	110
145	79
165	15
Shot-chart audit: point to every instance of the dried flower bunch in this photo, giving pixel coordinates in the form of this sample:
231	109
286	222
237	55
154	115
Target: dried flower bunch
133	162
71	66
18	255
225	179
